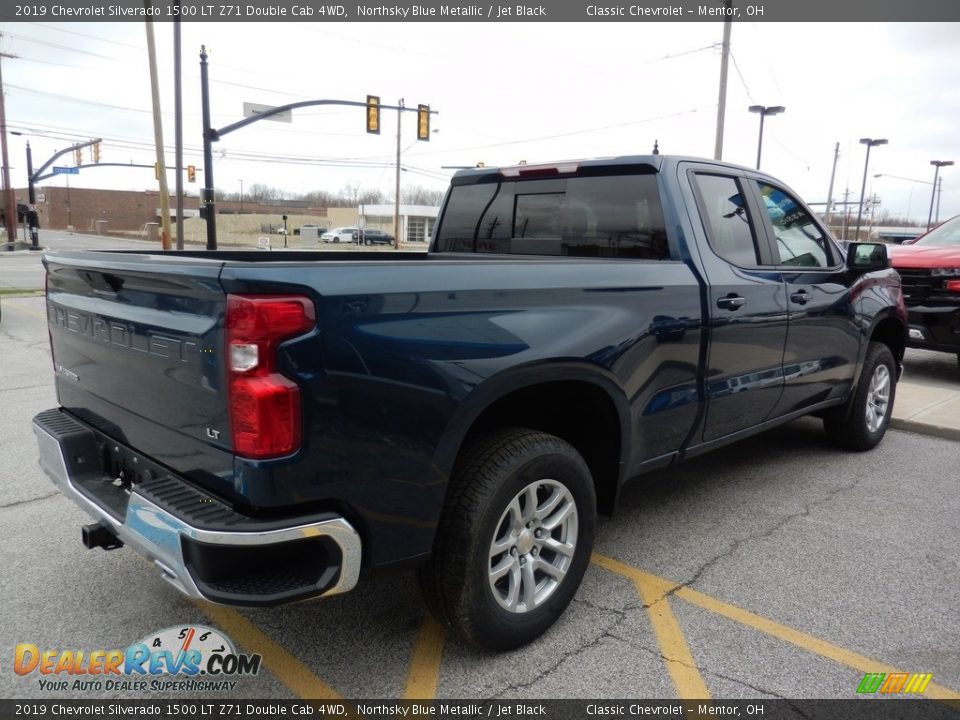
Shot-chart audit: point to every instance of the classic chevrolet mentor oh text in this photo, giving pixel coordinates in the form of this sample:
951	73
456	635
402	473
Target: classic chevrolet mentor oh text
271	428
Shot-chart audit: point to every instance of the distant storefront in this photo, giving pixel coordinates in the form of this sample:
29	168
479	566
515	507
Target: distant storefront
416	221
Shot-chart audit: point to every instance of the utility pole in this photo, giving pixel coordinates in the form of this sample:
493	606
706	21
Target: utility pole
158	136
833	174
846	212
724	61
178	127
10	200
396	202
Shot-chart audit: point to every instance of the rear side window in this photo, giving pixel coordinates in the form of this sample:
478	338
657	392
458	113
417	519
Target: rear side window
597	216
727	220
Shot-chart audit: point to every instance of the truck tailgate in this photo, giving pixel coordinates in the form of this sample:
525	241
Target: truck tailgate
137	346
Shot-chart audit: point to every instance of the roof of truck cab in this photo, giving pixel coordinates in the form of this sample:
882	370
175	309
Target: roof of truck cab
654	162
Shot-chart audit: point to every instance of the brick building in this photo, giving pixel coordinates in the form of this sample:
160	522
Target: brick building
129	210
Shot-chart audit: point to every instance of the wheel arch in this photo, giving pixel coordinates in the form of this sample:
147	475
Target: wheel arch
577	403
892	332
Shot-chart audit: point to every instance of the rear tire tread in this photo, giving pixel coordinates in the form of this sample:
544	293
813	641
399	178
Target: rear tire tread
476	477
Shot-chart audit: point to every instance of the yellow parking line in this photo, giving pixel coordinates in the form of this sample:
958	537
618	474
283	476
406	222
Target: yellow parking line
673	645
282	664
803	640
19	308
659	587
424	674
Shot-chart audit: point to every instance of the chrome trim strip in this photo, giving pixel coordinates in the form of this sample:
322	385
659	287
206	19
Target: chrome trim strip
155	533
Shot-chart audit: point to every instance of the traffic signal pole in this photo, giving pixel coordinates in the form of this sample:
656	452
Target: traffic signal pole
207	206
31	191
211	135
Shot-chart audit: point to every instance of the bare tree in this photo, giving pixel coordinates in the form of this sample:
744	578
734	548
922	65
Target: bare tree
259	192
319	198
419	195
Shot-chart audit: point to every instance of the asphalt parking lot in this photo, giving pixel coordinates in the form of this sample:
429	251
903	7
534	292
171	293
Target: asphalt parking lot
779	567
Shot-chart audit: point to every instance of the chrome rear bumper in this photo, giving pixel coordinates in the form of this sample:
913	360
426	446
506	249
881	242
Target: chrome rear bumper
170	541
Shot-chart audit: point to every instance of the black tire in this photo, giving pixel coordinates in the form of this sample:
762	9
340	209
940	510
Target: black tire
857	424
485	492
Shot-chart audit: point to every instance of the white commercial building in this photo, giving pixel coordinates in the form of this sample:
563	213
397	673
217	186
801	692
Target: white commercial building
416	221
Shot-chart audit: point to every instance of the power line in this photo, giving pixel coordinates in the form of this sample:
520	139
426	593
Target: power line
86	35
743	82
57	46
562	135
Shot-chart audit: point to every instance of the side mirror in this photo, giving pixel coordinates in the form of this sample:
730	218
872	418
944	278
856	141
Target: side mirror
866	257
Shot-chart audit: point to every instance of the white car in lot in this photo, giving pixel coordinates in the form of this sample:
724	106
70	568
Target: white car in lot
344	234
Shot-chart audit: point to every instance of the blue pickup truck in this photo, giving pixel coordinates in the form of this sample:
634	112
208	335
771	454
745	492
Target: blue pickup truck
271	428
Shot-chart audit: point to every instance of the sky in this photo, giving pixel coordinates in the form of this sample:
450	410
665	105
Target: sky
537	92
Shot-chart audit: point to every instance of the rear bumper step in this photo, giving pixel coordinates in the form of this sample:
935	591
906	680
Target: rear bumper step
201	547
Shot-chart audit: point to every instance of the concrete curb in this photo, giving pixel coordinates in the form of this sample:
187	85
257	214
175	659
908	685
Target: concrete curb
922	428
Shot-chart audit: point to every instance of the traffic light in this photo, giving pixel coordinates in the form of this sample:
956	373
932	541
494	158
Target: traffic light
373	114
78	156
191	173
95	149
423	122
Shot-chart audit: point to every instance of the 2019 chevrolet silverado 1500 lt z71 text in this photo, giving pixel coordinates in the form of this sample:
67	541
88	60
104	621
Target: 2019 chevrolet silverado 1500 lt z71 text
268	429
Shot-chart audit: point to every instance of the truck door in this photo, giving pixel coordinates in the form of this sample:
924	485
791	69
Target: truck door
746	301
823	340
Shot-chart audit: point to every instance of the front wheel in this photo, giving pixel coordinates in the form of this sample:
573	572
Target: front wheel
514	539
862	421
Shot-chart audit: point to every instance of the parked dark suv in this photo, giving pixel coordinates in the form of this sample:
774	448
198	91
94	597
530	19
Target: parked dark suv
376	237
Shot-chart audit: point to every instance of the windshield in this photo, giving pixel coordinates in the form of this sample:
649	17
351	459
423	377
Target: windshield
946	234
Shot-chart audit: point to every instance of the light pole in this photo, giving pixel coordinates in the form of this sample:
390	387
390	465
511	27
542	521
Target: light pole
869	142
764	111
241	197
937	164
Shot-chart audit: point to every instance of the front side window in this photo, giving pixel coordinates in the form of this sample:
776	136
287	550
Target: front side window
800	241
727	220
593	216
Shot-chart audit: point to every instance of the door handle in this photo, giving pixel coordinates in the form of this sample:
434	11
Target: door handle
800	298
731	302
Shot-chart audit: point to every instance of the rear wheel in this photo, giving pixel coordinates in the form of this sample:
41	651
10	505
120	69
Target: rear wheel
862	421
514	540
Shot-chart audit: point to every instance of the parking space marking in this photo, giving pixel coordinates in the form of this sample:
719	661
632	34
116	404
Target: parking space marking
660	587
673	644
281	663
424	674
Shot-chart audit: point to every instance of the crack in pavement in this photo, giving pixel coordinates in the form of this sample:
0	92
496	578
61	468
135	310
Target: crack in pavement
740	542
25	387
606	634
30	500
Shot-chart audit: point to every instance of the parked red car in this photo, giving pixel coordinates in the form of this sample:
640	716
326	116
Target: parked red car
930	270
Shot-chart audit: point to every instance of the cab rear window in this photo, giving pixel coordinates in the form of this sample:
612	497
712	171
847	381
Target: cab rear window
597	216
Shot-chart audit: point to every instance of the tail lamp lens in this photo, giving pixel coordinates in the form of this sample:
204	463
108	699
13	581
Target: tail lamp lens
265	414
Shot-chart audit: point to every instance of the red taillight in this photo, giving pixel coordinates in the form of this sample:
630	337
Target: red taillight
264	405
952	286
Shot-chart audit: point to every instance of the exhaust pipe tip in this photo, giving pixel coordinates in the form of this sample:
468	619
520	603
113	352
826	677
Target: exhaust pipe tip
99	536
